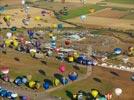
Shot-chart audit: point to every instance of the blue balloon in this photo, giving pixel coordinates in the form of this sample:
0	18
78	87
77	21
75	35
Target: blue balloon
2	9
117	50
24	80
18	81
72	76
46	85
60	26
3	93
64	80
9	94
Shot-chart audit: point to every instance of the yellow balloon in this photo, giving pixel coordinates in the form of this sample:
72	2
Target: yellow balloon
71	59
37	85
92	10
15	43
32	84
56	82
37	18
76	55
8	17
94	93
54	26
8	42
50	35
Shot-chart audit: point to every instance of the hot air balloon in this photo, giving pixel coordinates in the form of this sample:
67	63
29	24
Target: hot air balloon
56	81
64	80
101	98
117	51
94	93
9	35
67	42
46	85
62	68
4	70
32	84
37	18
83	17
73	76
13	29
2	9
18	81
14	95
118	91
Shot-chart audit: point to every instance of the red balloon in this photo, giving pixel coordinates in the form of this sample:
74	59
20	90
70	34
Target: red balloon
62	68
67	42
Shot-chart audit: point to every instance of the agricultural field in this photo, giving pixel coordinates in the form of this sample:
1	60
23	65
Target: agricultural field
121	1
81	11
110	13
129	16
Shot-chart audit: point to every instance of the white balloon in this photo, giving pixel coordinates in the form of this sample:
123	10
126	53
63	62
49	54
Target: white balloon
82	17
118	91
9	35
23	2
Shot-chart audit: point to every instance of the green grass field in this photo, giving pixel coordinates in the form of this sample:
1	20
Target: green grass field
89	84
81	11
121	1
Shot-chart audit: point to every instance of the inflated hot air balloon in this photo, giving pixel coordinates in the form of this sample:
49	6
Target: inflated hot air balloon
118	91
60	26
94	93
83	17
117	51
67	42
73	76
37	85
64	80
92	10
54	26
46	85
13	29
4	70
62	68
101	98
14	95
56	81
2	9
9	35
7	18
18	81
37	18
15	43
24	80
32	84
71	59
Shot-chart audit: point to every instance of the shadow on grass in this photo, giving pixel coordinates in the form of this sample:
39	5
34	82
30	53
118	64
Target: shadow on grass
69	94
97	80
114	73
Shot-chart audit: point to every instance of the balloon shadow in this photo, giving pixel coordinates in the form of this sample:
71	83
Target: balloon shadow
97	80
58	76
69	94
42	72
114	73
